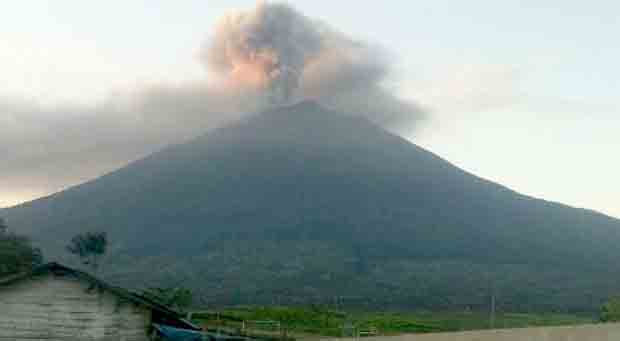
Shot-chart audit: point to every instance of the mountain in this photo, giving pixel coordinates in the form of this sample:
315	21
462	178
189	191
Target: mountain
301	204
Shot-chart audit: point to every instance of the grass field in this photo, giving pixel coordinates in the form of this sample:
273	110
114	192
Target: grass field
315	321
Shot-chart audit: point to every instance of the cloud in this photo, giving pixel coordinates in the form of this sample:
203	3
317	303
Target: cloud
291	57
43	147
266	56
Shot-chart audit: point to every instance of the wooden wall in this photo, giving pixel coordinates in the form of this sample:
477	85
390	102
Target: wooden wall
53	308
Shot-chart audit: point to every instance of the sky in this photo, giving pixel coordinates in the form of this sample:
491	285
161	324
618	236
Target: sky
518	92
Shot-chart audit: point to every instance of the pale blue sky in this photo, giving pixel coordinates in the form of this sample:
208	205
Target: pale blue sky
522	92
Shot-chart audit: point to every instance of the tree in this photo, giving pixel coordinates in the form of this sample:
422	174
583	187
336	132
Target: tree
3	227
610	311
177	298
16	252
89	247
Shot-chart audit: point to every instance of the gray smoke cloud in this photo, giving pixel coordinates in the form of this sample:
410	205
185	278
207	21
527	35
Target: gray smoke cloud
291	57
268	46
269	55
45	149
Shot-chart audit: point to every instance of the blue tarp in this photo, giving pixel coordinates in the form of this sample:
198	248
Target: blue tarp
176	334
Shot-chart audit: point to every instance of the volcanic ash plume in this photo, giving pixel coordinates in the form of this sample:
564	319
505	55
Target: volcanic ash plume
273	47
269	52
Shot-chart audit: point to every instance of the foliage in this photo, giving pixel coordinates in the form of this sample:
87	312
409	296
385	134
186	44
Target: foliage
176	298
610	311
89	247
16	252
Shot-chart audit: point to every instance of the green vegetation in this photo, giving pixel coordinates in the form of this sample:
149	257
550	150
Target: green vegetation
610	312
89	247
16	252
177	298
317	321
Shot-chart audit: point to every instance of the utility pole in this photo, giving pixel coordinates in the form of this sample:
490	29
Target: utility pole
492	313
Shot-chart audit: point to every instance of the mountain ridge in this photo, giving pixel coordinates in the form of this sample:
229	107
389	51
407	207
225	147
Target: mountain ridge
311	202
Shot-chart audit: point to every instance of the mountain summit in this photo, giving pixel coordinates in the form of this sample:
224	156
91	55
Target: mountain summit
304	204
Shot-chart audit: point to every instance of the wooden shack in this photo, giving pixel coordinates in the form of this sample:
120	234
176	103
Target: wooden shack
56	303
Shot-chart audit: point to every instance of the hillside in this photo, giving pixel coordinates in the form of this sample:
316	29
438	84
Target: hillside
302	204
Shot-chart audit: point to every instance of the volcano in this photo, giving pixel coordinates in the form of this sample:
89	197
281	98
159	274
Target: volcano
300	204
